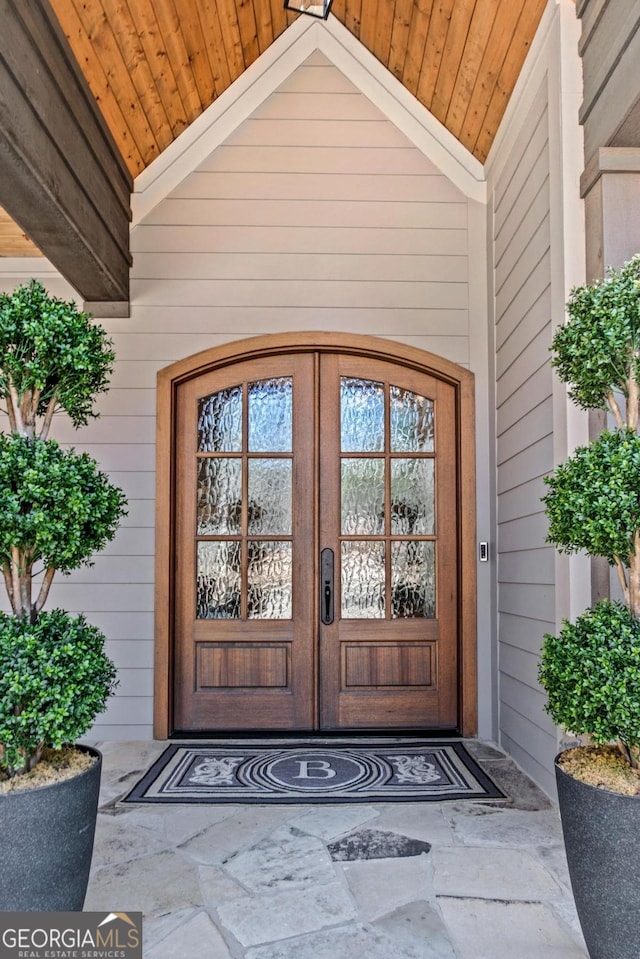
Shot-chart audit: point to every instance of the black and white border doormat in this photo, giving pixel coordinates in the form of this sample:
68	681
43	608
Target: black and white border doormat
314	771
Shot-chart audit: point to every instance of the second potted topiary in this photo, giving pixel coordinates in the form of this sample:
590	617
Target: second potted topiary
591	670
56	509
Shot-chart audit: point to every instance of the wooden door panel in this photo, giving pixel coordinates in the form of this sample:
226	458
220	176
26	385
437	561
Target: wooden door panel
374	665
389	657
236	667
380	666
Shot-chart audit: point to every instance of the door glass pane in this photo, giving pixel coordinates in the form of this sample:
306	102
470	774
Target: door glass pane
269	580
411	422
412	497
220	421
270	497
218	581
362	580
219	496
413	579
362	496
270	415
361	415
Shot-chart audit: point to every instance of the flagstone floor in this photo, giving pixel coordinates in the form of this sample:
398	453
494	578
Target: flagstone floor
457	880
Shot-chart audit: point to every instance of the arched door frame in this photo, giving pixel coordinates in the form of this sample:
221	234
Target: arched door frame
168	381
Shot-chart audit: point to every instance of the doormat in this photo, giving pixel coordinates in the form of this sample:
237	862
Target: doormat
314	771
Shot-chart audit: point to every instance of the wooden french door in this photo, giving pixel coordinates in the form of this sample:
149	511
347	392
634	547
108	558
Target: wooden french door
316	537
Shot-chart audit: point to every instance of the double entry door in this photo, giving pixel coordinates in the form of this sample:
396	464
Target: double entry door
316	537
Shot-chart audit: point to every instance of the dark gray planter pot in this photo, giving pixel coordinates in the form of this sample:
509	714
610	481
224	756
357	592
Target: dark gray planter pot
47	843
601	831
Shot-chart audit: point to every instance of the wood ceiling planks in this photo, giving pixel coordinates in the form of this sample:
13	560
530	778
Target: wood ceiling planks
156	65
13	242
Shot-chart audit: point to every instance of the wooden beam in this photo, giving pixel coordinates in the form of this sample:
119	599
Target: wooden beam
62	178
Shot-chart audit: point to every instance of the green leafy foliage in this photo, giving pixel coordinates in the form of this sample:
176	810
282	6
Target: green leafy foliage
593	503
51	348
591	672
597	349
56	509
54	679
56	506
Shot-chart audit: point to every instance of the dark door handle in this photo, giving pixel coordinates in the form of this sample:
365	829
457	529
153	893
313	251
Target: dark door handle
326	586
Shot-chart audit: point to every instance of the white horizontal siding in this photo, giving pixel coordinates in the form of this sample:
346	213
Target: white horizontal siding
528	566
157	322
518	305
317	105
527	630
534	425
125	402
317	213
300	293
296	240
286	187
103	431
524	422
284	159
526	532
519	402
293	267
524	367
373	134
116	569
114	732
17	270
81	597
521	499
138	655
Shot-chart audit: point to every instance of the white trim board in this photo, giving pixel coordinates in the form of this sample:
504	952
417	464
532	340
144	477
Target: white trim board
265	75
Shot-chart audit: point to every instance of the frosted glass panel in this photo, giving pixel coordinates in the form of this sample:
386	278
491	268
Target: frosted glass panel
218	581
220	421
219	496
413	579
411	422
269	580
362	580
361	415
412	497
362	497
270	415
270	497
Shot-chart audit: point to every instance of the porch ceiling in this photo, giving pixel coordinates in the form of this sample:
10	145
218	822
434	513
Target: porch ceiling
153	66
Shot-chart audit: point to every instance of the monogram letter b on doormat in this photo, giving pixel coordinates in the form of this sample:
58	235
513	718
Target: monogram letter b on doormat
281	771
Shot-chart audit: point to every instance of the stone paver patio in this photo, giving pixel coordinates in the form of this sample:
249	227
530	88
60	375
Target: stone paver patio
457	880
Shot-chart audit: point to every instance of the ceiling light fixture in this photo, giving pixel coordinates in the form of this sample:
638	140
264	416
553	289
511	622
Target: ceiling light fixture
314	9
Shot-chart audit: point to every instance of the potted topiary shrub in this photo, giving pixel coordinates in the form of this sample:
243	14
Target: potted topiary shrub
591	670
56	509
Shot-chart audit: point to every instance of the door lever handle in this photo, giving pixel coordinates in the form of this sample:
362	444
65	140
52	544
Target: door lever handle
326	586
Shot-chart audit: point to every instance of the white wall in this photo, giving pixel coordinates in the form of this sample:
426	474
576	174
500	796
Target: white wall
316	213
537	254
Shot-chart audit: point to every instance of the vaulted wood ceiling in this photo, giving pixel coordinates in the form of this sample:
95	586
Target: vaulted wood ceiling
155	65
